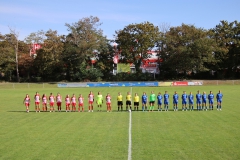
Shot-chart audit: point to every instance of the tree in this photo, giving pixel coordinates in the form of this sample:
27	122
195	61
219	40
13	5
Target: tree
49	61
188	49
13	40
227	36
84	40
7	60
135	40
9	52
105	59
35	38
25	61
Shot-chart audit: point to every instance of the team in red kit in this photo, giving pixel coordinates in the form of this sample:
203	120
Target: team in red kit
71	102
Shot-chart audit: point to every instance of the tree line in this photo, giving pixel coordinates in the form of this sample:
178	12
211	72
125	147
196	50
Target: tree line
185	52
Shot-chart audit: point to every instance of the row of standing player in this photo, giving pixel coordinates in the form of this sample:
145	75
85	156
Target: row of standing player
201	101
69	102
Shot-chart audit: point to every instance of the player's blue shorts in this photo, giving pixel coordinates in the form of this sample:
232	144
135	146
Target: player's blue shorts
219	100
159	102
175	102
166	102
190	102
184	102
144	102
210	102
199	102
204	101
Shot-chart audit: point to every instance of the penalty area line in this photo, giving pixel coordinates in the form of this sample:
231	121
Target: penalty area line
130	137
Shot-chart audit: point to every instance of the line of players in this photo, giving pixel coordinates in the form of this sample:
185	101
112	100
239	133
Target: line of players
201	100
70	102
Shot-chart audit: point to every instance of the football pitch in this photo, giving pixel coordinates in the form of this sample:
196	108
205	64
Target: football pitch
110	135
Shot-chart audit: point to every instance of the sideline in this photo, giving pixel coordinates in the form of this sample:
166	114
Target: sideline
130	137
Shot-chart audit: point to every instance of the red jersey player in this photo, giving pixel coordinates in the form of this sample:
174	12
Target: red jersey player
90	101
67	101
26	101
73	102
44	102
51	99
108	102
37	102
59	102
80	103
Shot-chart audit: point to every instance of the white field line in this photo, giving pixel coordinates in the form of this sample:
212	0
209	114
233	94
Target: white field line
130	137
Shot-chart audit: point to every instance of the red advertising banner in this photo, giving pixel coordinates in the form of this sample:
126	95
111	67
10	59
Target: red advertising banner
180	83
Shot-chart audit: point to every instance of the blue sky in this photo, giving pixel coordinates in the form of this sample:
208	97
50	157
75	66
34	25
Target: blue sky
27	16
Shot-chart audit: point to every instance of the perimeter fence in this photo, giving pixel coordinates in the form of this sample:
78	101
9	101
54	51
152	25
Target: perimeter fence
6	85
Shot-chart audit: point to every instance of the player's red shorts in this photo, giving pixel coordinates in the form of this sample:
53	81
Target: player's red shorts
59	104
108	103
90	102
73	104
80	104
37	103
44	103
27	104
51	104
67	104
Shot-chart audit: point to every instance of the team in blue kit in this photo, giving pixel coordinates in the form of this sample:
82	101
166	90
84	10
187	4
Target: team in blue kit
175	101
159	99
210	100
184	101
219	97
190	101
198	100
187	101
144	101
166	100
204	101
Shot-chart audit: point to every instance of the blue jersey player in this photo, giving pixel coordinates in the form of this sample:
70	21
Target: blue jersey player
166	100
190	101
184	101
144	101
199	100
159	99
175	101
210	100
204	101
219	100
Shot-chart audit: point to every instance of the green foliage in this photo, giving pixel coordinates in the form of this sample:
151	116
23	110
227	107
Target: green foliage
8	50
85	41
188	49
227	36
48	63
135	40
92	74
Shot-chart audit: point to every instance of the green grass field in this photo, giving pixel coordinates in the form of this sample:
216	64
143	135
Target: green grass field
123	67
101	135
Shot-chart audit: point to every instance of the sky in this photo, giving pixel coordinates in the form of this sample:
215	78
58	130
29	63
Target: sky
28	16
